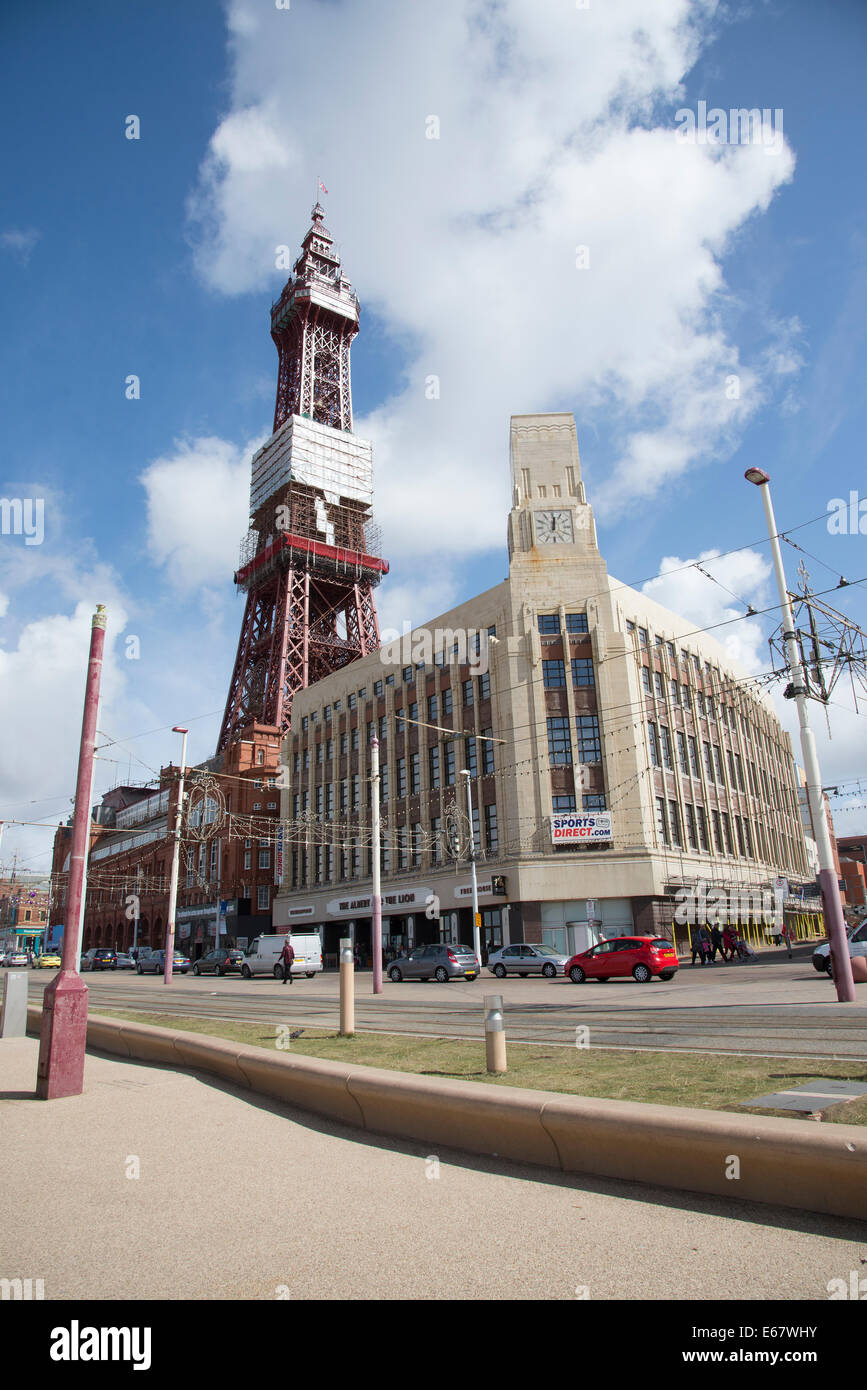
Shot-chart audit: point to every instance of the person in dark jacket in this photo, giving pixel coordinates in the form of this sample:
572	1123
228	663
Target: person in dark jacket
716	937
287	955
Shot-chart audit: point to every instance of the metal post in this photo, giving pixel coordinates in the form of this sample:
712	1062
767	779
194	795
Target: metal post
63	1034
832	902
495	1033
176	850
376	887
477	941
347	988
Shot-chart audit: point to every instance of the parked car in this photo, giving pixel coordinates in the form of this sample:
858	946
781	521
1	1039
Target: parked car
857	947
99	958
642	957
440	961
16	958
222	961
262	956
154	963
125	961
49	960
527	958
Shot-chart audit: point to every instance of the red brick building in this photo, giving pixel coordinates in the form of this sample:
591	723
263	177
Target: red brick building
230	853
852	850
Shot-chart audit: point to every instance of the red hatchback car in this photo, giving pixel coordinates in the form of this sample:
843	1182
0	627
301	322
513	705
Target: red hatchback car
639	956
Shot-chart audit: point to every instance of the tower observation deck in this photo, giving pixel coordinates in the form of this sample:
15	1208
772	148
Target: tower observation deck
310	561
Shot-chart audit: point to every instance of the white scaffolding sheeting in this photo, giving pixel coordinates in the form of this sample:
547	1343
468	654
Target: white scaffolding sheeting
303	451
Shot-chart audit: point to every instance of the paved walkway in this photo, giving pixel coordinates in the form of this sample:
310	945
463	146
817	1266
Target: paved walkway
245	1198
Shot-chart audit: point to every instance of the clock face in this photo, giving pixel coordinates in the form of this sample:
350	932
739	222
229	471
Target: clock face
553	528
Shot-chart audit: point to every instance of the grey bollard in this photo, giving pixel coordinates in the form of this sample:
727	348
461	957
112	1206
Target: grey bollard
13	1017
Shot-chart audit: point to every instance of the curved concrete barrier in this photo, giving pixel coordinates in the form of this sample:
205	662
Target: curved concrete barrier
793	1163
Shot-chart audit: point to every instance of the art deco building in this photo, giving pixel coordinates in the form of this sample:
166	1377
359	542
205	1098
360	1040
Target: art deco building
615	753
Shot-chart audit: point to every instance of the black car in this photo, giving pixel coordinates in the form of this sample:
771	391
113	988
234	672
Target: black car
225	960
99	958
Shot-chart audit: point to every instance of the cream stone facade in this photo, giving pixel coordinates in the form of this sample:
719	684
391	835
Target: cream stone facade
566	695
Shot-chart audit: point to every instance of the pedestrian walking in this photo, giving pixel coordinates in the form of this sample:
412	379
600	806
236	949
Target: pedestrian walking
716	937
787	937
287	956
706	945
697	947
729	944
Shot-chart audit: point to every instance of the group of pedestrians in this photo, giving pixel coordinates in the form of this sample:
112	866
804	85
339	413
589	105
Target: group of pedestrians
707	941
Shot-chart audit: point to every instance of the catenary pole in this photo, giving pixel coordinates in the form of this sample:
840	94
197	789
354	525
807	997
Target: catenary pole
828	883
176	850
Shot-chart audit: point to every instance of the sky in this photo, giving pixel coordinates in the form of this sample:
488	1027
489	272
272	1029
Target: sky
530	210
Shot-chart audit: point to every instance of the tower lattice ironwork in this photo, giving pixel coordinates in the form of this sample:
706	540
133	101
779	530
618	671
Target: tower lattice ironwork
309	563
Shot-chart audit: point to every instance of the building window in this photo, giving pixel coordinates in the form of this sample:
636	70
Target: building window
329	799
487	752
717	831
592	801
432	708
414	778
354	740
383	728
436	839
470	756
401	778
564	803
377	688
659	685
468	692
645	680
263	898
447	700
553	674
582	671
718	765
491	835
642	636
320	754
305	723
727	827
260	756
693	756
485	686
691	828
674	821
702	830
708	764
449	751
327	714
559	745
549	623
661	822
433	759
653	740
589	745
576	622
264	857
681	752
665	739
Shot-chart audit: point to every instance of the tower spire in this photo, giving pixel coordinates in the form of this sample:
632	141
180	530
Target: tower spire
313	324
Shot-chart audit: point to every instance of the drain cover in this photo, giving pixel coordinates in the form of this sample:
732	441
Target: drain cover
812	1097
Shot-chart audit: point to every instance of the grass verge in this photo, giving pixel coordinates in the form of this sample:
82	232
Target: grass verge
701	1080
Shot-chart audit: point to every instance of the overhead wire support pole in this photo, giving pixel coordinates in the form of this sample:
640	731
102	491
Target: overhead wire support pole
831	899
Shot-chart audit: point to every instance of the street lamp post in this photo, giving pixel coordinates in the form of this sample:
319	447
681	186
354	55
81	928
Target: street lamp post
477	944
832	902
176	850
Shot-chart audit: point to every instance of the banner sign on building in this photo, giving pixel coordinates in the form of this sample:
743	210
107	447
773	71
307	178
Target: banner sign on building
576	826
278	857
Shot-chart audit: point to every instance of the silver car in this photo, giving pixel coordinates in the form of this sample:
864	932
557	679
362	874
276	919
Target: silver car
440	961
857	947
526	958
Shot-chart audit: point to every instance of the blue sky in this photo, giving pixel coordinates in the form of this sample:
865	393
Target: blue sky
155	257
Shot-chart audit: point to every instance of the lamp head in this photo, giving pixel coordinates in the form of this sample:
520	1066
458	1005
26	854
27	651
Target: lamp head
757	476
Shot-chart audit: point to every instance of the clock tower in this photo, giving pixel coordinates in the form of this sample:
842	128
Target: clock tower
550	519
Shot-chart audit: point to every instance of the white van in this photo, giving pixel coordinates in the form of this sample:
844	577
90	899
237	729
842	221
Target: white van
262	956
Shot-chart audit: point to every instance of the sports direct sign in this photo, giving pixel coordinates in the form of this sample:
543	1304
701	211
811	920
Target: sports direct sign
577	825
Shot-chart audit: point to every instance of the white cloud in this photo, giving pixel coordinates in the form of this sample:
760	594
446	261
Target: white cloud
708	602
20	242
197	509
466	245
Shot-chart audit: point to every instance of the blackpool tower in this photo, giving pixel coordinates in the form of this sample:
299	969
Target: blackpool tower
309	561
